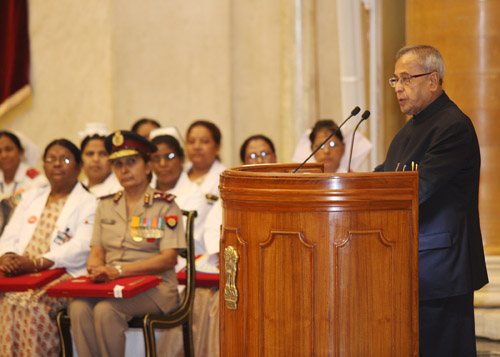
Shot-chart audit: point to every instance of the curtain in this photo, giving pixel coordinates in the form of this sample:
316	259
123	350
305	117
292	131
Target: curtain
14	53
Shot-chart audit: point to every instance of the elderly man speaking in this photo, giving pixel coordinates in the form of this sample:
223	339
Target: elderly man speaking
439	142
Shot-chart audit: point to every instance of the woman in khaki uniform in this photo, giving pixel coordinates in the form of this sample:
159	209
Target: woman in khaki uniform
135	233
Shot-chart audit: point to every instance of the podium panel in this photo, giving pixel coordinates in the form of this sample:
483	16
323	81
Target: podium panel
316	264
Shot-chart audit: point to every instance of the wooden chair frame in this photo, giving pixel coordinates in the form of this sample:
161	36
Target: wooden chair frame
182	315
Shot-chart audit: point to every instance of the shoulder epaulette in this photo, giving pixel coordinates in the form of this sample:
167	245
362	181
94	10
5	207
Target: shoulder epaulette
32	173
163	196
116	196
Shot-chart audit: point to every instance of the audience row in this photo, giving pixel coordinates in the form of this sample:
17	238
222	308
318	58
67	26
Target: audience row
56	221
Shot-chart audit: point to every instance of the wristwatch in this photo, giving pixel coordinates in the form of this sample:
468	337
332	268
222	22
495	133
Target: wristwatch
119	268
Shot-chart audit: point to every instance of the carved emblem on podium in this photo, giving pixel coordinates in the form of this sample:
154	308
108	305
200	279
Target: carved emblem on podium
231	258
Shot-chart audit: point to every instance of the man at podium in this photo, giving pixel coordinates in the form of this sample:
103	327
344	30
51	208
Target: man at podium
439	141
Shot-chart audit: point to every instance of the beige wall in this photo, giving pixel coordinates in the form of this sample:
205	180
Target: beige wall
232	62
70	70
171	62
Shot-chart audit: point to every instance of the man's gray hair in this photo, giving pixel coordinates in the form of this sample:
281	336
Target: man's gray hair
428	58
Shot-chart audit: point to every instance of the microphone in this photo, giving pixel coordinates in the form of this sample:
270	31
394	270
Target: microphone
364	116
354	112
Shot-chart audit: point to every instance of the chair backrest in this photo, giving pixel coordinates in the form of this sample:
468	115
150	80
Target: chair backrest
187	301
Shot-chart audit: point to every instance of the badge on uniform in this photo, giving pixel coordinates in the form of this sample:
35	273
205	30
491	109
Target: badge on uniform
171	221
62	237
149	228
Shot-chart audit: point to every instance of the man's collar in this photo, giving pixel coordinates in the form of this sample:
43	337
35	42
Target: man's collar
432	108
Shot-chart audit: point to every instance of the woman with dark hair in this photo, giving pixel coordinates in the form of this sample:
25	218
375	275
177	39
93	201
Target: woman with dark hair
203	140
167	163
330	153
50	228
123	245
144	126
99	180
15	175
257	149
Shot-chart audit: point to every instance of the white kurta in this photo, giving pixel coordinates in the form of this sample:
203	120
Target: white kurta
70	241
25	179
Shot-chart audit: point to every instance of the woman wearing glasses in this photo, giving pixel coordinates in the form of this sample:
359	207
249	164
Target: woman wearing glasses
330	153
50	228
257	149
167	163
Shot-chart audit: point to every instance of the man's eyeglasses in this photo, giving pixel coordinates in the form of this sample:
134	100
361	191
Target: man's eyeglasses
405	80
53	160
166	157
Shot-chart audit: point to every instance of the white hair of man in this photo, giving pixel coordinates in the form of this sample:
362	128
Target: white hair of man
428	57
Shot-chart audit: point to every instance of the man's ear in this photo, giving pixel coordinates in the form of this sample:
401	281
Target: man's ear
435	79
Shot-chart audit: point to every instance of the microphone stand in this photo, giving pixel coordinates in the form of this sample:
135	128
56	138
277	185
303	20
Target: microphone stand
365	116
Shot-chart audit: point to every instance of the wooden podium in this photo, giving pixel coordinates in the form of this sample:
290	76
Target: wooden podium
317	264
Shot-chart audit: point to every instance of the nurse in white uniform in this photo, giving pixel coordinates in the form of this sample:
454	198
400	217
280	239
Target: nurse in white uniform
99	180
203	141
50	228
169	177
15	175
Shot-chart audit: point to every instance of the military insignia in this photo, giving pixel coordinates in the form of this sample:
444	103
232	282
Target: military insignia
149	228
107	221
117	197
171	221
135	229
118	139
211	198
162	196
147	199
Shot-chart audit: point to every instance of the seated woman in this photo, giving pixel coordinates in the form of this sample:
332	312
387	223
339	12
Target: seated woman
331	152
257	149
15	175
119	248
361	148
50	228
167	164
202	147
100	180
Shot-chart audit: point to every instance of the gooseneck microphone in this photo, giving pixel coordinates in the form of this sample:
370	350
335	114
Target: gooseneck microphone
364	116
354	112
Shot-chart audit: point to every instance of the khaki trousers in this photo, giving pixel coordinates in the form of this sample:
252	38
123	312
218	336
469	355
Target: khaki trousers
98	325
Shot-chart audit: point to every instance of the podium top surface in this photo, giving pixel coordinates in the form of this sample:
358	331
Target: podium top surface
311	177
276	187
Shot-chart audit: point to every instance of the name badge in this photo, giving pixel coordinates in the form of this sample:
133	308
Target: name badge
62	237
